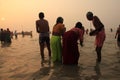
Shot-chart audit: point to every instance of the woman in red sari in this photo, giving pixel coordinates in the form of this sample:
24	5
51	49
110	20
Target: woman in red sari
70	52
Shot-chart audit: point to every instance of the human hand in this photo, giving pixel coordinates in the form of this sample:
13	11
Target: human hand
94	32
81	43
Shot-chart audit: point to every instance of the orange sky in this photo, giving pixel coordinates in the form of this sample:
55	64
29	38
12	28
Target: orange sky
21	14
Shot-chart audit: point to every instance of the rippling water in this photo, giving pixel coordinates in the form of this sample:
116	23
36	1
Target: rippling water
21	61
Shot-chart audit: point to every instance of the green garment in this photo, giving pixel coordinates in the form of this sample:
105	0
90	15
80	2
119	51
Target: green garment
56	48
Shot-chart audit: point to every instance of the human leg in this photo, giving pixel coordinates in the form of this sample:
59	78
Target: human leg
98	50
41	43
42	50
48	46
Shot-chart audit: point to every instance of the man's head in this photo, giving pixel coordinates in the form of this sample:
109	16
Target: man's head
41	15
89	16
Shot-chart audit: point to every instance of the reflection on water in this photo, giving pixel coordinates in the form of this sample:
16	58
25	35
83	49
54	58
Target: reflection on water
42	74
98	72
20	60
118	56
3	45
97	69
66	72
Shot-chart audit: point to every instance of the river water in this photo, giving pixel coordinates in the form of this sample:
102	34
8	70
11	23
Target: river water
20	60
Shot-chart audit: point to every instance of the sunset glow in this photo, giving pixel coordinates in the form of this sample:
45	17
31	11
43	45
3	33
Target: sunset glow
25	12
2	19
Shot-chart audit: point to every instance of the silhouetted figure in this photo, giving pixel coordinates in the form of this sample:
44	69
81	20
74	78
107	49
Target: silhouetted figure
0	33
31	34
22	33
56	46
2	39
111	30
42	27
70	44
5	36
99	32
118	36
8	36
16	35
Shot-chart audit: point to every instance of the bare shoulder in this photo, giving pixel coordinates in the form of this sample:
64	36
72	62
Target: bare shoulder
96	18
37	20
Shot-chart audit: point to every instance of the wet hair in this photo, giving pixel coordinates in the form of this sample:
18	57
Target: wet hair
41	15
89	15
78	25
59	20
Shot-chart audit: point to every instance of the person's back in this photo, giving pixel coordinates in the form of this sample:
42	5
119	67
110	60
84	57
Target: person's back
70	52
58	29
56	46
42	27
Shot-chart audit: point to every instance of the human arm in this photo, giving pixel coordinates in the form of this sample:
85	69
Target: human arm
93	33
97	24
81	36
62	29
37	27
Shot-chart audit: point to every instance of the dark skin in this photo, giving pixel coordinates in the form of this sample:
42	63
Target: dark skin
42	46
43	28
98	27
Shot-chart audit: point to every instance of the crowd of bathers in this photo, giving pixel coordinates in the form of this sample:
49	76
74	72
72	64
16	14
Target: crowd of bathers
5	35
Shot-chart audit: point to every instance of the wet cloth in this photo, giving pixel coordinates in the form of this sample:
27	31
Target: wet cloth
118	36
70	52
100	38
118	40
56	48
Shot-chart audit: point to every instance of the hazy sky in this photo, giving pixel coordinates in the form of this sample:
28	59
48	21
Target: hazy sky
22	14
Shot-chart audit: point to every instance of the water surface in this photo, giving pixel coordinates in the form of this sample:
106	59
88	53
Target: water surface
21	61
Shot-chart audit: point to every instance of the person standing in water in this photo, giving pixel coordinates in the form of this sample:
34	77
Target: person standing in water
99	32
56	46
70	53
118	36
42	27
